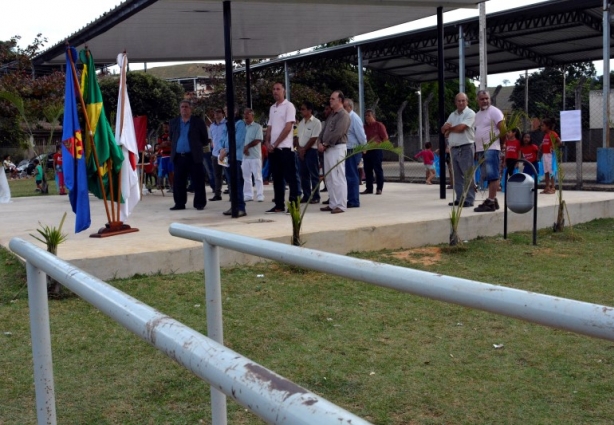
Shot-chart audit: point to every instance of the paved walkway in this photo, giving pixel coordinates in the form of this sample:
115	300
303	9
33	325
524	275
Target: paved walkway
405	216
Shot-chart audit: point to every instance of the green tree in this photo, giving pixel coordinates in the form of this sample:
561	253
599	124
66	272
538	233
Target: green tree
36	91
546	89
149	95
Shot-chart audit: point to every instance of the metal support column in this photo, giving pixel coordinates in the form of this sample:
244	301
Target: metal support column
527	121
442	117
483	58
41	346
215	326
361	86
287	80
248	83
606	73
230	104
419	93
578	100
564	88
461	59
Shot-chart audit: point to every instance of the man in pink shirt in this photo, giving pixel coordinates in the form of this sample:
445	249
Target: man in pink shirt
488	136
279	143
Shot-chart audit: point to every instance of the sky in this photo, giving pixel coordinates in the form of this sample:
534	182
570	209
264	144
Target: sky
57	19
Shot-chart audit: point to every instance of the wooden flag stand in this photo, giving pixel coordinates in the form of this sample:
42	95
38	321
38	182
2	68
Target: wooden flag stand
114	226
113	229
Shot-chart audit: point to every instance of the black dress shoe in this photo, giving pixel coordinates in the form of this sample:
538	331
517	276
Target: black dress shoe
177	207
366	192
465	204
216	198
200	208
226	192
326	202
240	213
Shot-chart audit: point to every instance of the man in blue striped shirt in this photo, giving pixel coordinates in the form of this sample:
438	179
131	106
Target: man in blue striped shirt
356	139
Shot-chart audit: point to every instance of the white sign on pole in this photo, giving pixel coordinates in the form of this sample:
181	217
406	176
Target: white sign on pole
571	126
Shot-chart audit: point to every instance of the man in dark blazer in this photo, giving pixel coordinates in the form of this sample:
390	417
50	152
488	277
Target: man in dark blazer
188	137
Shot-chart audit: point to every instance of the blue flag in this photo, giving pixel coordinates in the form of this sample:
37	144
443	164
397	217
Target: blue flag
73	154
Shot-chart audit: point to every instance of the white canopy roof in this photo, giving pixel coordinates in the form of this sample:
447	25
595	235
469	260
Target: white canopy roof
185	30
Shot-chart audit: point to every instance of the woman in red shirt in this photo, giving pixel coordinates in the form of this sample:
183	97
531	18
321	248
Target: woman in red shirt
550	142
512	150
529	152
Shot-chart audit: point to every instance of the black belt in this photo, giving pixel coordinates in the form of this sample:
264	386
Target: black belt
184	153
284	149
458	147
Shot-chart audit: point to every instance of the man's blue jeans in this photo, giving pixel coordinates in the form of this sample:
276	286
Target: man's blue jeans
310	174
209	169
353	177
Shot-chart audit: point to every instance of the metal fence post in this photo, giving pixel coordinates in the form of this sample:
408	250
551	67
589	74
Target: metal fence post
215	326
41	345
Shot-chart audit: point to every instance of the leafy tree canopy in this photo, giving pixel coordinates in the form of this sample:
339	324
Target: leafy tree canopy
546	89
18	78
151	96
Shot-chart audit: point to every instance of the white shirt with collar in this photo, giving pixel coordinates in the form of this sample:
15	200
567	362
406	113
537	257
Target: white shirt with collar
308	129
279	116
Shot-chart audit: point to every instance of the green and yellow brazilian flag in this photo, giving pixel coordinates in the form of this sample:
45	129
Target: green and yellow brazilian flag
104	139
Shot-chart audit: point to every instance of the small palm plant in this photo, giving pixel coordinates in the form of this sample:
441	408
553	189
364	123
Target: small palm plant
294	207
559	225
52	237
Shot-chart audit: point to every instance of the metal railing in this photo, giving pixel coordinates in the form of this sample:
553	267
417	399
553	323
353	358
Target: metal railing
562	313
279	400
273	398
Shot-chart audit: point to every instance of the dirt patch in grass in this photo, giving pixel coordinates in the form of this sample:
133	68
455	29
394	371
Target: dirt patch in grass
426	256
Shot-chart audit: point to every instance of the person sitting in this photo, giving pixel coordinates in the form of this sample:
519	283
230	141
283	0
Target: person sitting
9	167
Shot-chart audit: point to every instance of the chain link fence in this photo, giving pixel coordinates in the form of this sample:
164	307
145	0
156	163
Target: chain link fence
579	158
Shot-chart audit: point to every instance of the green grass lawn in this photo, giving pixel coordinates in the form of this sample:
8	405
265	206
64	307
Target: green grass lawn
26	186
391	358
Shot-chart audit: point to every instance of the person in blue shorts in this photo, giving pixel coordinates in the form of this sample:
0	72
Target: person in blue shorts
165	165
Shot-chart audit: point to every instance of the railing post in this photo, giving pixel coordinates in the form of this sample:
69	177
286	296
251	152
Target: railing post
41	345
215	326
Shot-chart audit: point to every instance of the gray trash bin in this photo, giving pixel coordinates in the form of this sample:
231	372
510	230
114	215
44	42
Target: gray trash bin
519	190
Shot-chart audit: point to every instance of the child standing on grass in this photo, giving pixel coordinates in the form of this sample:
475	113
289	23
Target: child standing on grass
529	152
428	157
550	142
512	150
38	176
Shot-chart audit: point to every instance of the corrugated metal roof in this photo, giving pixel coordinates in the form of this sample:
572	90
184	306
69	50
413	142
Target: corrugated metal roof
185	30
552	33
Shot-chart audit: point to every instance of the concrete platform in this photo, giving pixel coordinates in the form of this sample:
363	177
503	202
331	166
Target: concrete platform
405	216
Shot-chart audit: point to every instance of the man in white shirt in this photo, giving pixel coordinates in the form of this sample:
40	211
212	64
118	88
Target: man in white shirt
458	129
308	131
252	157
278	141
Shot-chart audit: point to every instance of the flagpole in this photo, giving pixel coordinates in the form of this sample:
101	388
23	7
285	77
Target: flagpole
121	127
91	134
110	177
